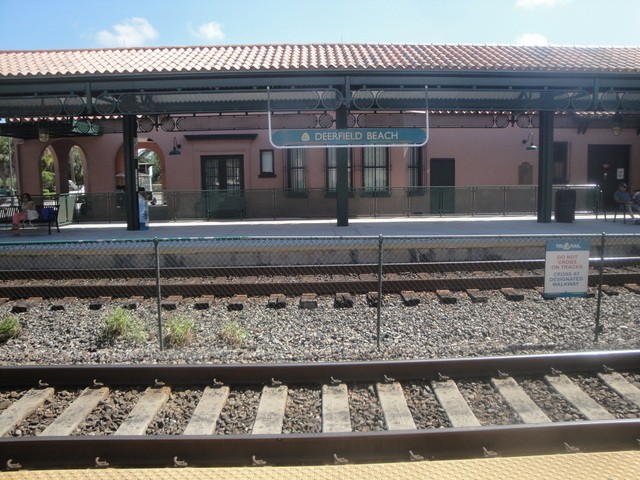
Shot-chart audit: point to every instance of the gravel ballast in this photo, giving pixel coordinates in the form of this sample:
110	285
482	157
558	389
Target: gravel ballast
327	334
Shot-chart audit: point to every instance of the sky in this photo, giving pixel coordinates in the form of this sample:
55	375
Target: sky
81	24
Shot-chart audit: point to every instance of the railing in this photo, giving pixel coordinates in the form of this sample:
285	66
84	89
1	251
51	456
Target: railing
275	204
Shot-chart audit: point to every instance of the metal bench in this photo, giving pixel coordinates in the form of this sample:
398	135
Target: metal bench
47	215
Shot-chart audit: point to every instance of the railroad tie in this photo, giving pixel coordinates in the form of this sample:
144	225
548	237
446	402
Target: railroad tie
270	415
205	416
409	298
26	305
69	420
335	409
277	300
343	300
622	387
98	303
454	404
476	295
578	398
610	291
632	287
145	410
22	408
512	294
394	406
237	303
132	303
519	401
372	299
204	302
62	304
171	302
446	297
308	301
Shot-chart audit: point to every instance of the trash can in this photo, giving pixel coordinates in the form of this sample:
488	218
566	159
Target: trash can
565	206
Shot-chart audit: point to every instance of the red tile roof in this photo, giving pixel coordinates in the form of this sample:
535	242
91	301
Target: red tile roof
321	57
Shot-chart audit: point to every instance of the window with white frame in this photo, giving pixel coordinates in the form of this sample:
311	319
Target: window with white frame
267	167
296	169
375	168
332	169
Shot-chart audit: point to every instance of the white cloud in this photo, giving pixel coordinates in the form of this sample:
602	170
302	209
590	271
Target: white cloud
131	32
540	3
532	39
209	32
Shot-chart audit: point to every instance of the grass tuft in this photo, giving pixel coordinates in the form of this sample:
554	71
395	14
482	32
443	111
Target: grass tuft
9	328
232	333
122	324
180	331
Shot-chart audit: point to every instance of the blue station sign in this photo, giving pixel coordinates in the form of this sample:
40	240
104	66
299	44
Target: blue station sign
322	137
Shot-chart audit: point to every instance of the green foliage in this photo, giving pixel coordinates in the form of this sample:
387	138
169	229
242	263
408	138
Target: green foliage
180	331
75	166
47	173
9	328
6	182
232	333
122	324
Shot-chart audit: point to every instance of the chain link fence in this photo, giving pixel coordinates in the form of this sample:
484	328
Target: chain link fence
377	268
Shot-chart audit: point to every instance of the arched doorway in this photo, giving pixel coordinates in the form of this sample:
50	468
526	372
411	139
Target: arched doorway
150	166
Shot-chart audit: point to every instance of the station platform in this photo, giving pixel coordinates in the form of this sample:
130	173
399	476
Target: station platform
358	227
623	465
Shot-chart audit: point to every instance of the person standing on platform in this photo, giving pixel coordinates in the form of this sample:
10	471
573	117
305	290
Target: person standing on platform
143	209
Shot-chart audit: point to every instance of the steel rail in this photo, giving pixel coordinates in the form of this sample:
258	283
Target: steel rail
291	270
268	286
304	449
299	449
290	373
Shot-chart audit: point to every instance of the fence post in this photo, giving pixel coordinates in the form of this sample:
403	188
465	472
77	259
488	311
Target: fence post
379	291
156	244
600	277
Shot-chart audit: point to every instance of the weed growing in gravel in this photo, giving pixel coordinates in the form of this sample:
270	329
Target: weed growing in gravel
9	328
121	324
180	331
232	333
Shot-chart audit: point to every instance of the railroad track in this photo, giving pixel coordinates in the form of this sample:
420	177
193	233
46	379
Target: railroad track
287	414
320	280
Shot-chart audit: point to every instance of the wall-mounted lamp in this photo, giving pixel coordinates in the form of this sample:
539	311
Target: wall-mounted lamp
176	147
43	132
529	139
616	127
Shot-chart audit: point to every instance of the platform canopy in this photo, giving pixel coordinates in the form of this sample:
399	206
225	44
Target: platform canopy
153	83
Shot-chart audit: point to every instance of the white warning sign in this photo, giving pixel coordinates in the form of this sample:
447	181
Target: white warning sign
566	271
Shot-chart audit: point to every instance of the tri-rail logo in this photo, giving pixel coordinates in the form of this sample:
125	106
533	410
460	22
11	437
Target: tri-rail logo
567	246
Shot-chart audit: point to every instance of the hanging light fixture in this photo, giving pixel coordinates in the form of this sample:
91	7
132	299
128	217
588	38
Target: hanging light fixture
529	139
616	127
176	147
43	132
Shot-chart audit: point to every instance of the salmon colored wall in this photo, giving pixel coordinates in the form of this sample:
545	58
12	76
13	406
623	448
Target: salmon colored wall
483	157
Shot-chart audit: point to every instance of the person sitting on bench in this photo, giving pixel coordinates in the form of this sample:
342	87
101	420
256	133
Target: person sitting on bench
623	199
27	212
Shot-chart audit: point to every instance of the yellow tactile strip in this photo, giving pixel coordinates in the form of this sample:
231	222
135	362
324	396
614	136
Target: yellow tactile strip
583	466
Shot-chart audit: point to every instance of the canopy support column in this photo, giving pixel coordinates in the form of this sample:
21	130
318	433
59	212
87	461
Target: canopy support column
130	172
342	172
545	166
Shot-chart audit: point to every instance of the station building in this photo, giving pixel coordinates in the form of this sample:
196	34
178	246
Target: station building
506	125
